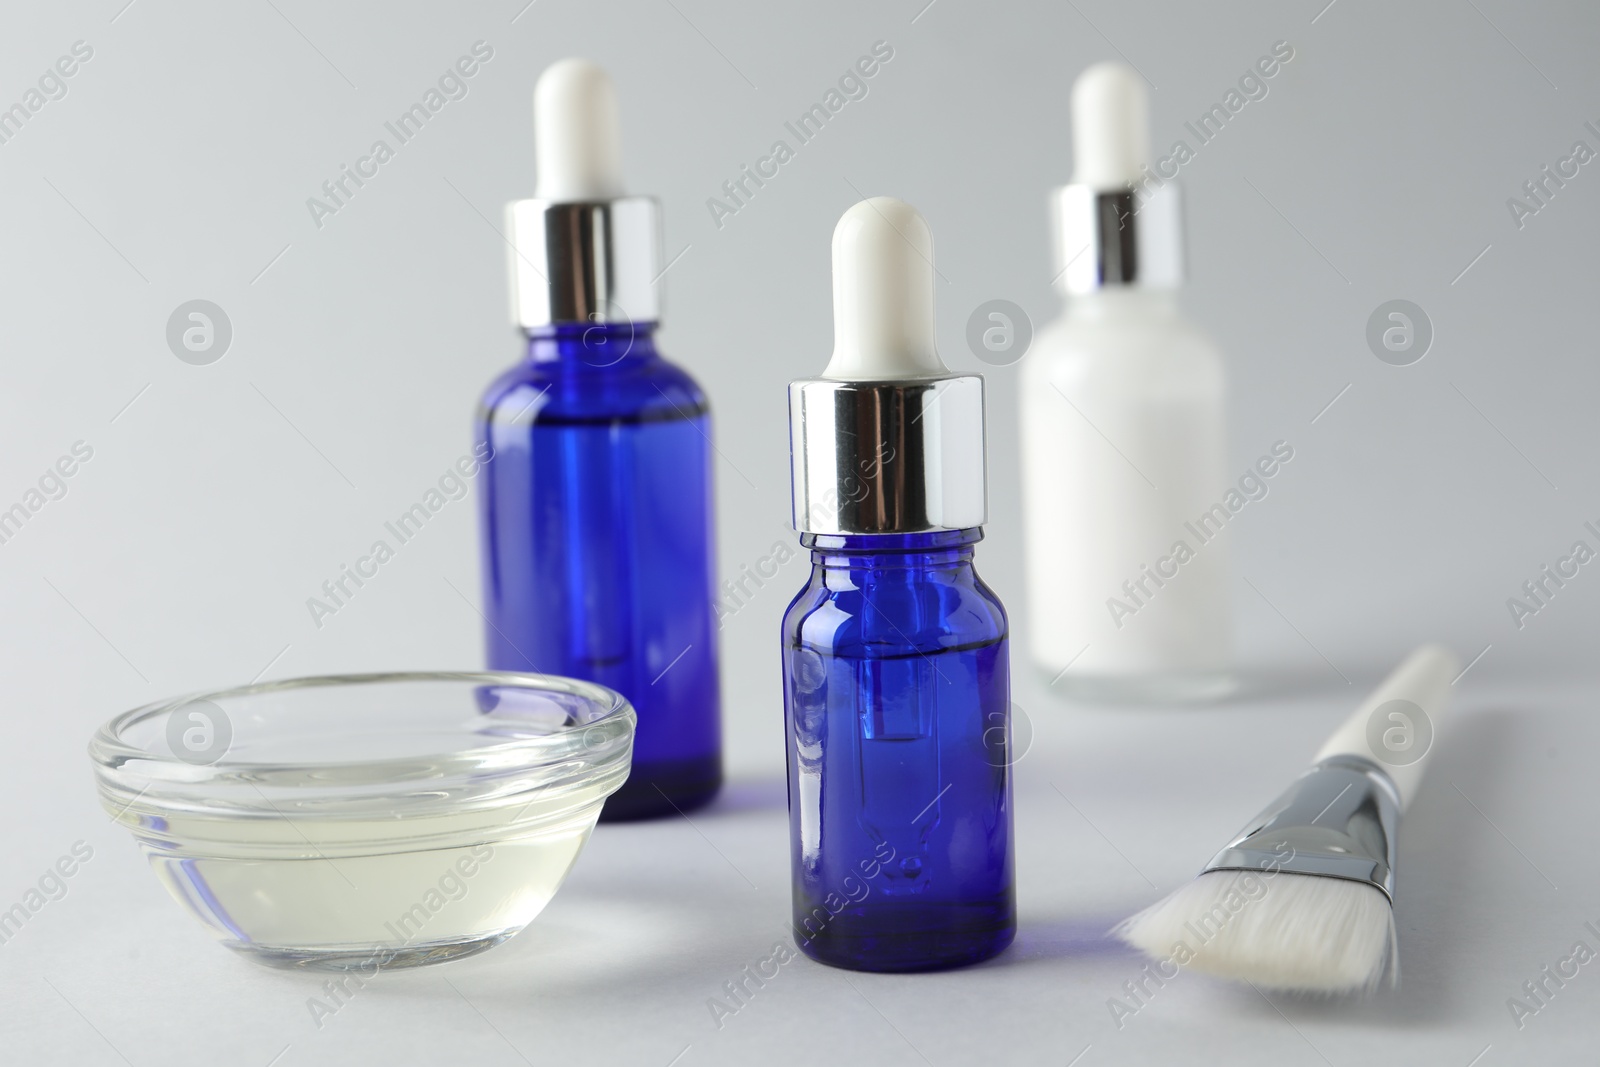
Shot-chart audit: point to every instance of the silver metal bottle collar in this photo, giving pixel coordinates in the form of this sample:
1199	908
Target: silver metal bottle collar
584	261
897	456
1106	238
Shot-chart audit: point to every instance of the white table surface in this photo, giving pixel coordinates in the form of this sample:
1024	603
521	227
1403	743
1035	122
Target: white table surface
1113	808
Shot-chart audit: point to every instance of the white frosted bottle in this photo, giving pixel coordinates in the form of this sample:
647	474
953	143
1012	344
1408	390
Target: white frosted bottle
1123	433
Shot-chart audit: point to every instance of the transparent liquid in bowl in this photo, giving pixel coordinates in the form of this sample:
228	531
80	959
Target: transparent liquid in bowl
368	875
364	911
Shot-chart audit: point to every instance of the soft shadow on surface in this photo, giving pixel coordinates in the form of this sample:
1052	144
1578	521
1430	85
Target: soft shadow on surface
748	794
1274	683
604	946
1055	939
1315	680
1277	683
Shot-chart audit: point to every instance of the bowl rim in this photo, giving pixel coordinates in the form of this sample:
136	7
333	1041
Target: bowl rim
110	752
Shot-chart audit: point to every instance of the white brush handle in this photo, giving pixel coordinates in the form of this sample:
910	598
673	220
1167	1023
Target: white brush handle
1397	738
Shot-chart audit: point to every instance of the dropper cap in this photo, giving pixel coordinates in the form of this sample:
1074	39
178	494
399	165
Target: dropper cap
1110	127
581	251
1119	223
888	440
576	133
883	294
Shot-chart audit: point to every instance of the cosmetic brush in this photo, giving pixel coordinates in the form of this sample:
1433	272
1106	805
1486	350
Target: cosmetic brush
1302	899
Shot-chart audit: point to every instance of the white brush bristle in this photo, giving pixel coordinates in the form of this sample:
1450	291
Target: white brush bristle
1284	931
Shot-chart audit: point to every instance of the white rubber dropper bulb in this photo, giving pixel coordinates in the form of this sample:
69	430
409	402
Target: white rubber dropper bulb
1110	126
575	132
883	294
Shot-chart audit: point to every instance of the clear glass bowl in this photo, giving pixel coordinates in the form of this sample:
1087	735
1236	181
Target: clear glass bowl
363	822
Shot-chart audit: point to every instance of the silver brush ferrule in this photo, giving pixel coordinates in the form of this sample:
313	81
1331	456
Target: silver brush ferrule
1105	238
589	261
1338	820
887	457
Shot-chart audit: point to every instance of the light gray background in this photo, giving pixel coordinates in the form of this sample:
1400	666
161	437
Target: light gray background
220	497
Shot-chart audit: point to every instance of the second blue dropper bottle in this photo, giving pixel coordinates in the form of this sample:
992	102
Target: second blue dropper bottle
896	669
597	510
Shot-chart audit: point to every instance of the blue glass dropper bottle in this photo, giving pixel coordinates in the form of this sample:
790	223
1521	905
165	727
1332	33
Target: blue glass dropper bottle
597	510
896	676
